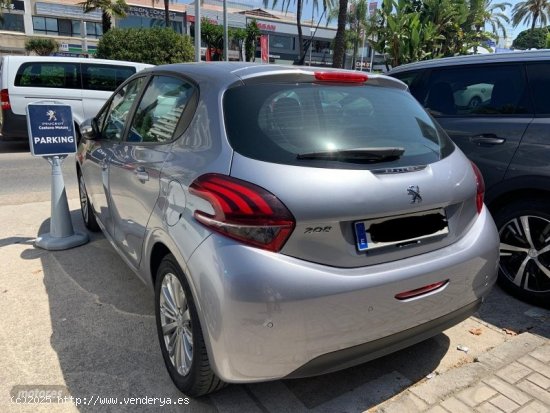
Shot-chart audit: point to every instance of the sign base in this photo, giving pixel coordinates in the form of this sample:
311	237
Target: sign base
51	243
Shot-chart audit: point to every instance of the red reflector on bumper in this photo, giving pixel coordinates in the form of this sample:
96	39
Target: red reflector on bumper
421	291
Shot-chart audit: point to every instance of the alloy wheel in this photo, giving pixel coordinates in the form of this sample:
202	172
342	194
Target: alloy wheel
525	252
175	319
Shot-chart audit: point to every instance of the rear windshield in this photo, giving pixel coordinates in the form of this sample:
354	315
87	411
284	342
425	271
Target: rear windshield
280	122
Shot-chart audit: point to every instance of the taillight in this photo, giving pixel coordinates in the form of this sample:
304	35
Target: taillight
243	211
480	188
342	77
5	99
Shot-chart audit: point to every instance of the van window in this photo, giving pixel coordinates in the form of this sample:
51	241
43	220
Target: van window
104	77
48	74
539	83
477	90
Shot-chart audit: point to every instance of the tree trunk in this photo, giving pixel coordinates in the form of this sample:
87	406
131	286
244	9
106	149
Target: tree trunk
299	27
340	39
167	13
106	22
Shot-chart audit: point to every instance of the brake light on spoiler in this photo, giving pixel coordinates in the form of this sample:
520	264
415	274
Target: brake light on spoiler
341	77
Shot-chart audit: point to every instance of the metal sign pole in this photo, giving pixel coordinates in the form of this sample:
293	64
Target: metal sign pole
62	235
52	136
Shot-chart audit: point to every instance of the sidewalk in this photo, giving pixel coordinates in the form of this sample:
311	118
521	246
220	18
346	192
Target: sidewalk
81	320
512	377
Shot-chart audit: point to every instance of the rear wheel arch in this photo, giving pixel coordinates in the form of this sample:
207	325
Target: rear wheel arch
158	252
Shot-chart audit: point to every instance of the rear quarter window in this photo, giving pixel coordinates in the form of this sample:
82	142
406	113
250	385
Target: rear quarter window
278	122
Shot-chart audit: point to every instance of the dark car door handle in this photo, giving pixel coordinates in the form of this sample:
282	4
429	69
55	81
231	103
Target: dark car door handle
141	174
487	139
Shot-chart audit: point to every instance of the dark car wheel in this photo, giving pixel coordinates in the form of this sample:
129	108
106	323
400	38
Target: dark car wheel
85	207
180	334
524	269
474	102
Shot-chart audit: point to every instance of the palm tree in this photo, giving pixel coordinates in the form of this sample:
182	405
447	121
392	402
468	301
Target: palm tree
531	11
285	4
109	10
340	39
486	13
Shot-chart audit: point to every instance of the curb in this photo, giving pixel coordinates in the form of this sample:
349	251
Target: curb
430	392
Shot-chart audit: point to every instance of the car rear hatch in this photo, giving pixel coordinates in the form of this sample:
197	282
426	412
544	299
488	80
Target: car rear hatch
365	173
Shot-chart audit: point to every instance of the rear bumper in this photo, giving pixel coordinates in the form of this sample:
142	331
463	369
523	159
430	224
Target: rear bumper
268	316
13	127
362	353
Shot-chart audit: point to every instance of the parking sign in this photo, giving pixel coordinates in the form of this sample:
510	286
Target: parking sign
51	129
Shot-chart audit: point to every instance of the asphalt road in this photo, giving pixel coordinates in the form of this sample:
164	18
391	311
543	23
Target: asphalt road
24	178
80	319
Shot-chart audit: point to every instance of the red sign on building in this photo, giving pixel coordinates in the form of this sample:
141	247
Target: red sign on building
264	45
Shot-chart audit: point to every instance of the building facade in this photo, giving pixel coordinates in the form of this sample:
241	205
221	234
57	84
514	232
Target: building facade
77	33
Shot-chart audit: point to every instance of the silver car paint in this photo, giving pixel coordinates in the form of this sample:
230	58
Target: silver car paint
313	308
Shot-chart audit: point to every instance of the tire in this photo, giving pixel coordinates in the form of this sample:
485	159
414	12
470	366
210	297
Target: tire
175	310
524	269
86	207
474	102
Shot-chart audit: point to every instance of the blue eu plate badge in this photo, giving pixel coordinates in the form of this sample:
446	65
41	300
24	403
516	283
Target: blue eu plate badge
361	236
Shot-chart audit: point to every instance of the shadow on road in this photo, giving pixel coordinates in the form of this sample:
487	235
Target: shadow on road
104	335
14	147
506	312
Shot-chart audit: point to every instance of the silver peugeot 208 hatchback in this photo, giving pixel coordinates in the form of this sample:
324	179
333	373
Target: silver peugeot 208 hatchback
290	221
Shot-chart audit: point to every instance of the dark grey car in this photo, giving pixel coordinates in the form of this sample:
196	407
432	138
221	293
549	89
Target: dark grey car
496	108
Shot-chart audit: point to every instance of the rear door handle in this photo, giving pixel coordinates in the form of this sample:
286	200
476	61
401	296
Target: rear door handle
487	139
141	174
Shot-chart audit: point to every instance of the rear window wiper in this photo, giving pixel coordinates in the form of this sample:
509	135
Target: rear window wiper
356	154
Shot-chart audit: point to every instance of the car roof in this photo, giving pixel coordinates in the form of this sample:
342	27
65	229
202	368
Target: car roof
67	59
246	72
521	56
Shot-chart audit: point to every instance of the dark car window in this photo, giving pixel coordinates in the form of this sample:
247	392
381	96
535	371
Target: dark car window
539	83
104	77
49	74
476	90
112	121
160	109
277	122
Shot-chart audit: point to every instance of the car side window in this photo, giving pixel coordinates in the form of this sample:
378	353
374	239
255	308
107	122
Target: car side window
539	83
160	110
112	124
104	77
475	90
48	74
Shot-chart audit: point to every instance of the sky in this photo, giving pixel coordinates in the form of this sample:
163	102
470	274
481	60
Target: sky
307	12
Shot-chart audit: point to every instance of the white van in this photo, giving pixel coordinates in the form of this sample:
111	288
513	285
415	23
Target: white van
85	84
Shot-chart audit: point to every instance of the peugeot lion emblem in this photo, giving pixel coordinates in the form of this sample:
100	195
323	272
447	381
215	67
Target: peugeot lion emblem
414	191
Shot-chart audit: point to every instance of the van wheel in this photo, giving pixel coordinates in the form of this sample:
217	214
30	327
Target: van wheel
524	269
85	207
180	334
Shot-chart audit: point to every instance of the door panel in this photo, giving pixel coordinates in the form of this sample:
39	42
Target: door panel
135	169
99	152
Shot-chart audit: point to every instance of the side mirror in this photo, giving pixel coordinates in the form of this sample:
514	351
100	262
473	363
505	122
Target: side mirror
89	129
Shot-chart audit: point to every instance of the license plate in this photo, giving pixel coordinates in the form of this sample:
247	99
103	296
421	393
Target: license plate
364	238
